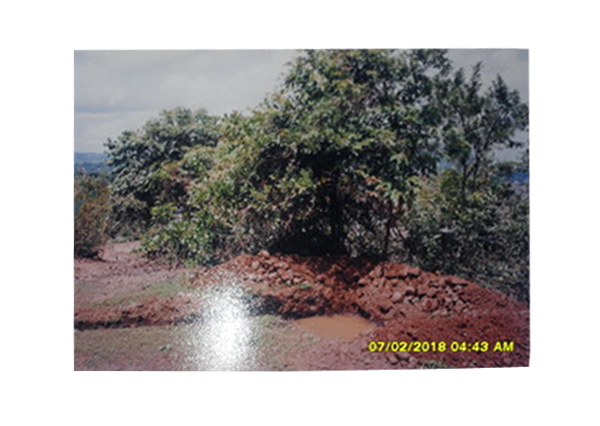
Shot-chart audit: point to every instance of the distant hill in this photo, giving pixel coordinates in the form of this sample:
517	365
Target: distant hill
90	157
90	162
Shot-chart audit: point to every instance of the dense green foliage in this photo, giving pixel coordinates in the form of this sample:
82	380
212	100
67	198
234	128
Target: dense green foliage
335	153
92	210
145	165
345	158
471	221
483	235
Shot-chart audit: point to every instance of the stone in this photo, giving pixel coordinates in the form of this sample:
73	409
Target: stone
459	306
385	308
282	265
396	297
430	305
412	272
376	272
402	356
455	281
286	275
379	282
264	254
396	270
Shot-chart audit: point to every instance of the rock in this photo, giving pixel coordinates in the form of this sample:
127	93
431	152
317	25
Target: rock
394	283
384	307
413	362
282	265
409	290
434	283
396	297
459	306
412	272
402	356
264	254
285	275
379	282
399	313
390	271
396	270
376	272
455	281
255	265
430	305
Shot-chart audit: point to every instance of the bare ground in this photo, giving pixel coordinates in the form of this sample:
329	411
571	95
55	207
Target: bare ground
134	314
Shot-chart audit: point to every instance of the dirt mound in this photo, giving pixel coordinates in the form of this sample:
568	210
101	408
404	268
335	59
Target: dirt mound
297	287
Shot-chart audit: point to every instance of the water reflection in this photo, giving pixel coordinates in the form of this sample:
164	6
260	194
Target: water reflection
225	338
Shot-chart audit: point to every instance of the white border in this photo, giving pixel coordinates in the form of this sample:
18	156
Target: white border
37	213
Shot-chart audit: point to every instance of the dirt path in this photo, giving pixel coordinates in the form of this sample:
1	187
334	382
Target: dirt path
270	312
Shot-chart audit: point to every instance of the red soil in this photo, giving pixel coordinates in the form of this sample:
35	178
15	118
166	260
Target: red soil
404	304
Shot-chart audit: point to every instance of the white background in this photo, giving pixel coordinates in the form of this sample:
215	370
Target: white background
38	40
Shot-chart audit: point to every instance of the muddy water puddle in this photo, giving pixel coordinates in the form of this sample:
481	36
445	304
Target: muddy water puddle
345	327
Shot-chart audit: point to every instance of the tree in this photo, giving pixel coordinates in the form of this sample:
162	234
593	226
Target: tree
472	221
144	164
475	124
336	151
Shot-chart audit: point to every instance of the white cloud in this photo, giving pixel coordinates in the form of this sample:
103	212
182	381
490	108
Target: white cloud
511	64
119	90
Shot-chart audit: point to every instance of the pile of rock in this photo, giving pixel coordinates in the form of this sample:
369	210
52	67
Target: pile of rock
297	287
394	290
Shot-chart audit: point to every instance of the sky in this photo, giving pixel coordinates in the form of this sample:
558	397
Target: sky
121	90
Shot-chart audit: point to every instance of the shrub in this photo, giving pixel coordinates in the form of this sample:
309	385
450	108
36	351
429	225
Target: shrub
483	236
92	209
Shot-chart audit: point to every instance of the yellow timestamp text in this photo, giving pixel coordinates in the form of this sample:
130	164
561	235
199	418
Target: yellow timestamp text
441	346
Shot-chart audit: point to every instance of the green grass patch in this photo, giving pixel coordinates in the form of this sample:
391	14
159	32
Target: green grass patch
160	290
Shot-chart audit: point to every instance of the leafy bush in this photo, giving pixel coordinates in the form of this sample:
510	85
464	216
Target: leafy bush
483	236
145	165
92	209
179	239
